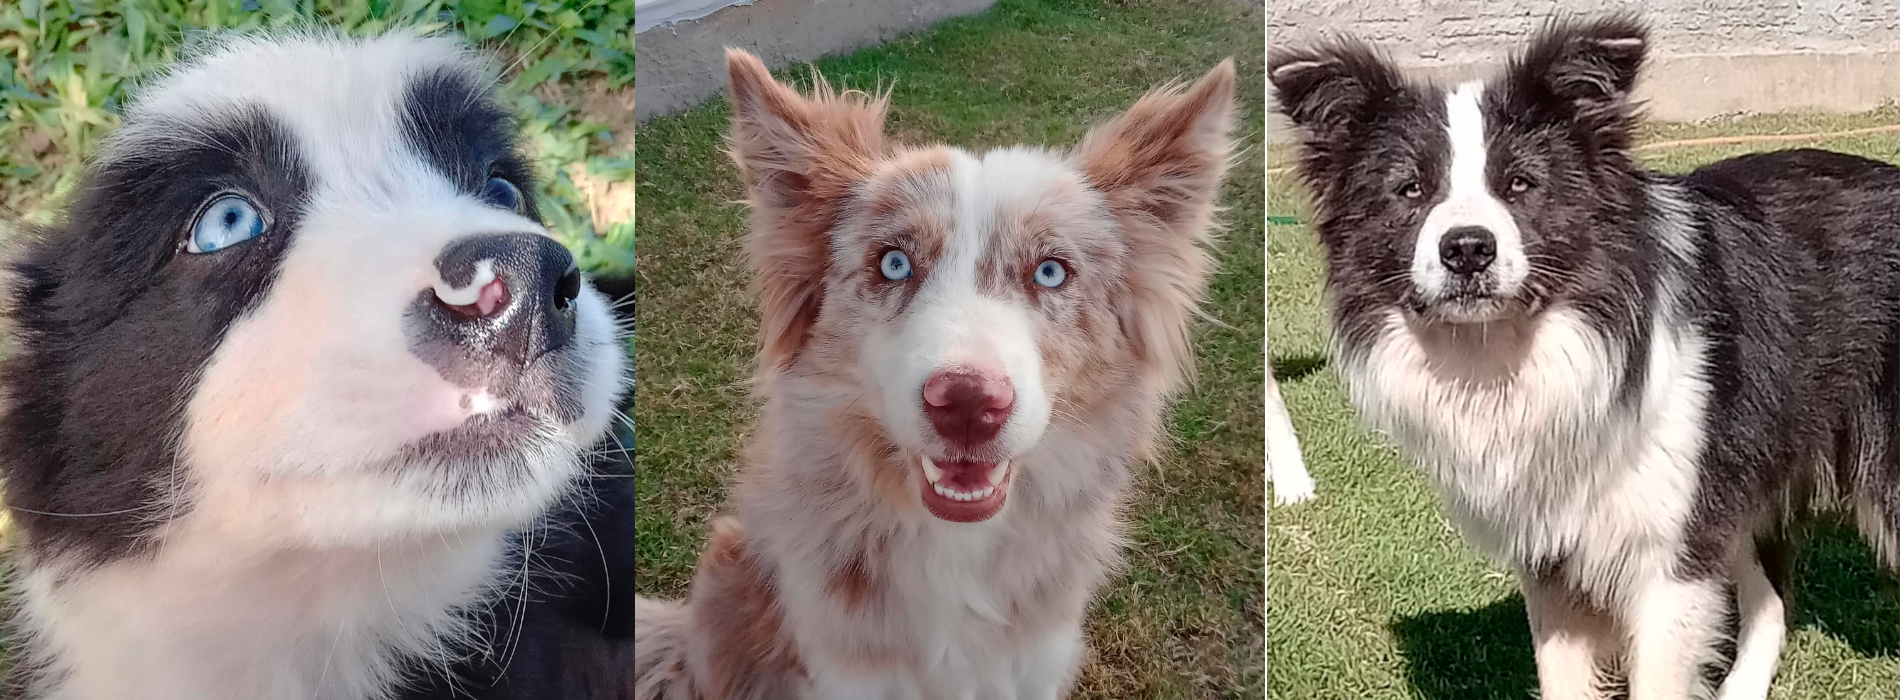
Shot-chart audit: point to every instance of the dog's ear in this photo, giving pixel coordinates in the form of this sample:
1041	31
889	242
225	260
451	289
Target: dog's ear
1325	89
1159	165
1585	70
799	156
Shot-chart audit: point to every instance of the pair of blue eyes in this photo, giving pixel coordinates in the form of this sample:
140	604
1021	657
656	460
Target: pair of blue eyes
232	218
895	266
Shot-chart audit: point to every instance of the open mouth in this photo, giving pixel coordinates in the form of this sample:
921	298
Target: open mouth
964	491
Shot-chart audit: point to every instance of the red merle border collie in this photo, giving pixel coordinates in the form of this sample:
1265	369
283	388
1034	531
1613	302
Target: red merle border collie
303	402
962	356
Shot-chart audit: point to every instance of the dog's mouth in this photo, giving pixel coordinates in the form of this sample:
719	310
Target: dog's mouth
962	491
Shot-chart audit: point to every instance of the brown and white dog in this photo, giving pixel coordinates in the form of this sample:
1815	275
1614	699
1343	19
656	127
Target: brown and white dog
962	355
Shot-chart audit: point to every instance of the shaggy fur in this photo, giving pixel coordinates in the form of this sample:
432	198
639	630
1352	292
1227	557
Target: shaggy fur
1624	383
299	465
961	357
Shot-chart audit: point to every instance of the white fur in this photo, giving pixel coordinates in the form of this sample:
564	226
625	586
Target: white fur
1762	635
951	323
1286	467
1468	202
954	583
1518	423
295	568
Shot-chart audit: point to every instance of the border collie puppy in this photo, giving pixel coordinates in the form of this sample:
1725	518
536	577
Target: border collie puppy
1621	381
962	355
303	402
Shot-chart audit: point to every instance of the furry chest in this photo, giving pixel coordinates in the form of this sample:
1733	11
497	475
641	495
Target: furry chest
1549	458
287	627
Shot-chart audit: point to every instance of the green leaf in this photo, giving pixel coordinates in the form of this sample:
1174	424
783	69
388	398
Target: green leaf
499	25
135	28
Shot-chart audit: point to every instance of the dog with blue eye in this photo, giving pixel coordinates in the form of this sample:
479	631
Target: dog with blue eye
305	403
963	354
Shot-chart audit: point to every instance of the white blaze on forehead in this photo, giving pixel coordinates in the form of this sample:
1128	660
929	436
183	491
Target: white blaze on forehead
1468	201
953	322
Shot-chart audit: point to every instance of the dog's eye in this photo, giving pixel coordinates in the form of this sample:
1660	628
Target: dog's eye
895	265
1411	190
1051	273
1520	184
502	193
228	220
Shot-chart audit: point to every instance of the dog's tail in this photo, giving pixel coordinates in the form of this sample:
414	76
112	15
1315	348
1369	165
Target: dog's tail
659	651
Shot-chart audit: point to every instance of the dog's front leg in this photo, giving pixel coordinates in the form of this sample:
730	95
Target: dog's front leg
1286	467
1763	633
1047	670
1674	623
1571	637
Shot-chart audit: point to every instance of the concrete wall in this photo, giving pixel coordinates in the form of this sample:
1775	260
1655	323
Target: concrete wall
680	65
1708	58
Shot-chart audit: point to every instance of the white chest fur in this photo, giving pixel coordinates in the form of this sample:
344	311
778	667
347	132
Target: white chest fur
201	620
1521	426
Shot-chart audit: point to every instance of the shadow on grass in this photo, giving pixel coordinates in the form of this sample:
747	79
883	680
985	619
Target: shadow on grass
1841	592
1486	653
1469	654
1286	369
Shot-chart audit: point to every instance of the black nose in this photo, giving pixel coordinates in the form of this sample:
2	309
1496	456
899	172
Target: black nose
511	294
1467	250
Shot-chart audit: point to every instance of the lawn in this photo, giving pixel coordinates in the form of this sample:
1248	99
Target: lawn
66	67
1185	619
1372	595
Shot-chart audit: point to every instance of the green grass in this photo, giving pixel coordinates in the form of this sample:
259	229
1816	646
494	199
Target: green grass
66	67
1185	620
1372	595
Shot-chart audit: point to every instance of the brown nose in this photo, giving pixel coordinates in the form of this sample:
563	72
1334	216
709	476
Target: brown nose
968	408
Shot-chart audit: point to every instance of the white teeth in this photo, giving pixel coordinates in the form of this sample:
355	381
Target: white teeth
996	472
956	495
933	473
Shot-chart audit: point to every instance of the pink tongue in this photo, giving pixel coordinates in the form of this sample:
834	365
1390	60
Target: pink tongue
966	476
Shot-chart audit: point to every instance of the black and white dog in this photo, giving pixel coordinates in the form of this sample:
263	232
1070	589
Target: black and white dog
302	402
1624	383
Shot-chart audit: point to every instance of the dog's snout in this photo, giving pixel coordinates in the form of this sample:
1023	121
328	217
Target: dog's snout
511	294
968	408
1467	250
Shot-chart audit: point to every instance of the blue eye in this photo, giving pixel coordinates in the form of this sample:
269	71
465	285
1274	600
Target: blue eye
227	221
1051	274
895	265
502	193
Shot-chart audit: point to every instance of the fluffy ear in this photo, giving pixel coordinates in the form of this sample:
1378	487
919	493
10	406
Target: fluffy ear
1160	166
1325	88
799	156
1586	66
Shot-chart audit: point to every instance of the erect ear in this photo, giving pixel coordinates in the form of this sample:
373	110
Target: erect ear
1588	69
1159	166
1325	88
799	156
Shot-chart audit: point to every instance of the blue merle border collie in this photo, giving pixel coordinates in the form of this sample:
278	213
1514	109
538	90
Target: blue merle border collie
303	402
1627	385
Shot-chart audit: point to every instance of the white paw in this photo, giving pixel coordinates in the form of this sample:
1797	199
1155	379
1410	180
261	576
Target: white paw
1292	486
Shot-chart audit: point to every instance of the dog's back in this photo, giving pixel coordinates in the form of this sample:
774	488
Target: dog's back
1837	216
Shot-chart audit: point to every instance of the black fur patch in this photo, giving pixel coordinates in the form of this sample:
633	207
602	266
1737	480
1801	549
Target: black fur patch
113	320
453	121
1784	263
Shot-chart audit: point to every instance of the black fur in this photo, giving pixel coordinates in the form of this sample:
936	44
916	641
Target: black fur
111	323
568	634
1789	269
